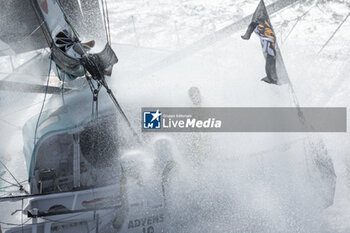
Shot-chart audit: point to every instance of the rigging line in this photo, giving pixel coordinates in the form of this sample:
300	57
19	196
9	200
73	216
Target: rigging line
295	24
9	186
71	25
43	104
10	173
92	88
317	4
8	182
341	24
119	108
36	29
109	29
104	20
37	17
63	82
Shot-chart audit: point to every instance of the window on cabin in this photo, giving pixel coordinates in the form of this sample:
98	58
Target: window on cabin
98	153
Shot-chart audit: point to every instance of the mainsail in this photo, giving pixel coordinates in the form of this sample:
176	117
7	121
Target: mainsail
86	17
21	32
19	26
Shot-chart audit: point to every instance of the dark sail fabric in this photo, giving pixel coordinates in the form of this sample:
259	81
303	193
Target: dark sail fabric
106	57
261	25
86	18
69	64
20	29
73	66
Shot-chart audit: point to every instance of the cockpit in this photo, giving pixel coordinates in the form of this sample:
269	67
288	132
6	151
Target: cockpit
77	158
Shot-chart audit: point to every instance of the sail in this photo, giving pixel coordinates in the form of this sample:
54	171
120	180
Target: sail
21	31
86	17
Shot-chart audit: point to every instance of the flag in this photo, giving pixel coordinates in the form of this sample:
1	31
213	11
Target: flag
262	26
